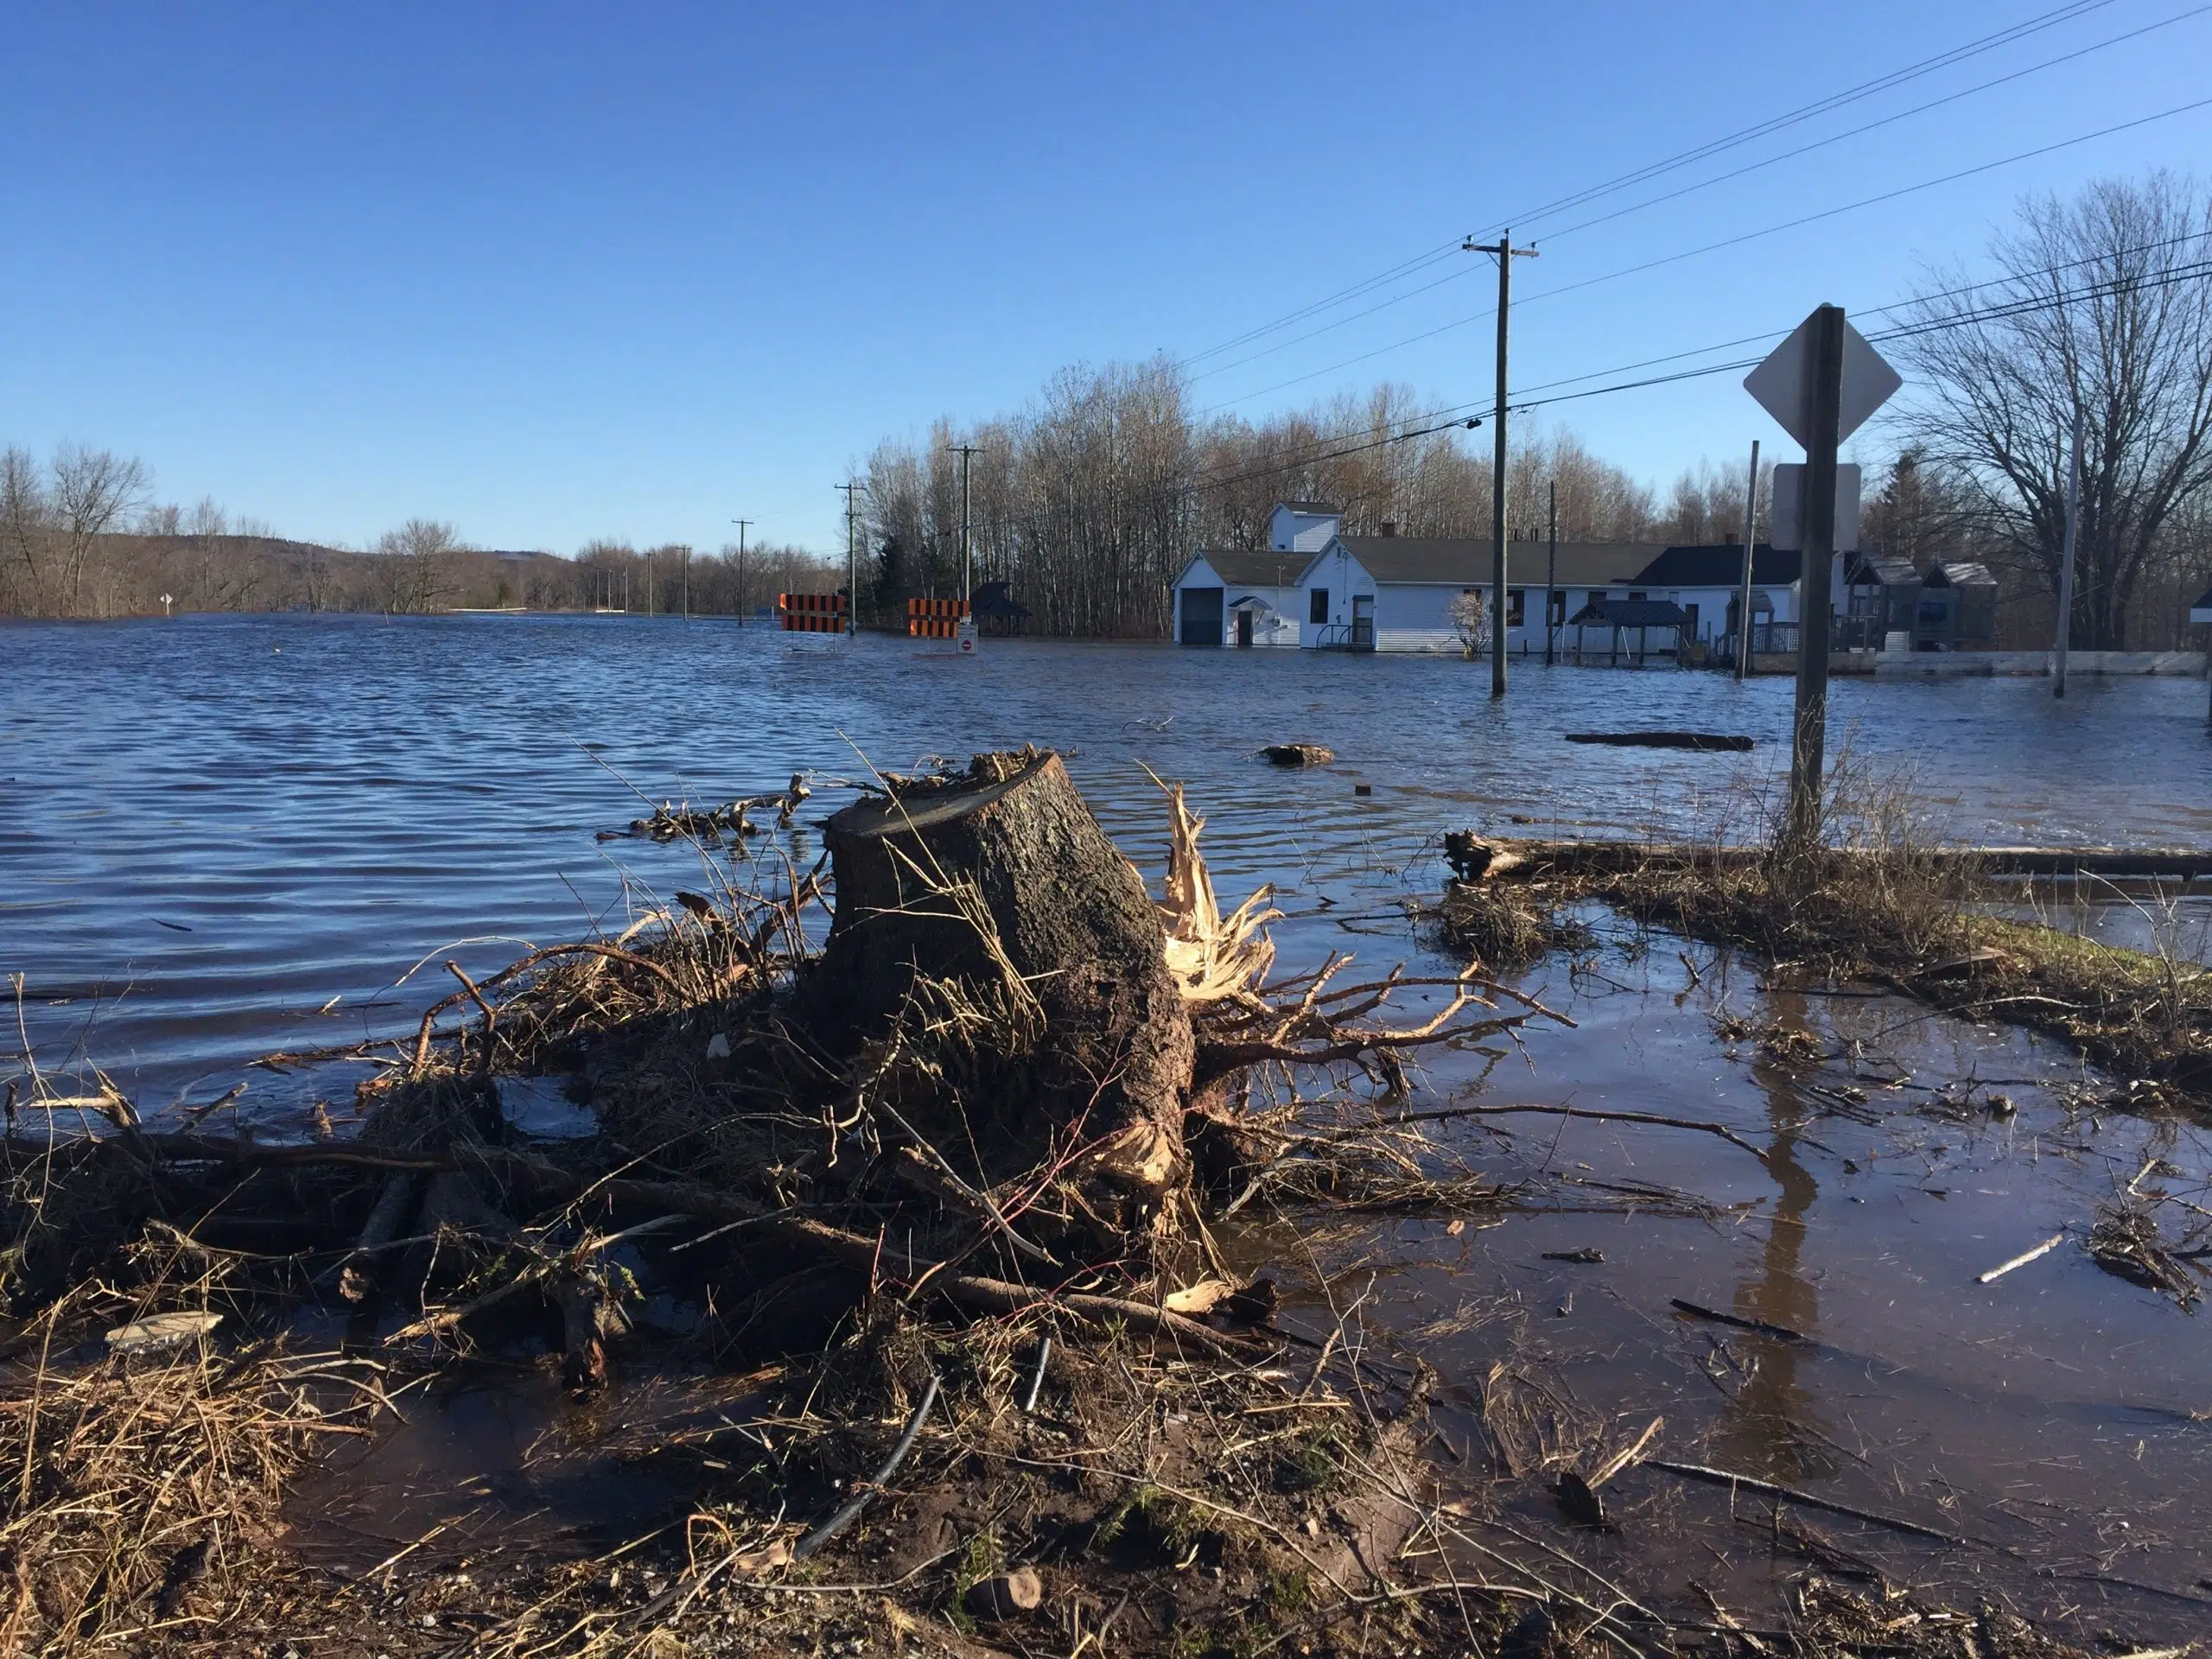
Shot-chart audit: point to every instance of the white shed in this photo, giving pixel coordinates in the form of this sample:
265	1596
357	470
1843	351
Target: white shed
1233	597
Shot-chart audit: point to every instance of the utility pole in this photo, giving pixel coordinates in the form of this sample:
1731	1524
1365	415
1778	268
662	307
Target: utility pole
1744	591
967	452
2066	570
1551	575
852	564
1505	253
741	523
1823	420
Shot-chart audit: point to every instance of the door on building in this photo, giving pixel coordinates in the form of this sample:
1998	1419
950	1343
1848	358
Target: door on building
1363	622
1201	616
1245	627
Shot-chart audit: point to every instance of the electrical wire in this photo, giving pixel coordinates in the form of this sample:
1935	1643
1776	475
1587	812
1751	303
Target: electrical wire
1771	335
1688	189
1685	158
1729	242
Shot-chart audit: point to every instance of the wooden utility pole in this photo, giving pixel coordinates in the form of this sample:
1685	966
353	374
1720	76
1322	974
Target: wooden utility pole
852	564
1823	419
1551	575
1505	253
967	452
1744	592
741	523
2066	569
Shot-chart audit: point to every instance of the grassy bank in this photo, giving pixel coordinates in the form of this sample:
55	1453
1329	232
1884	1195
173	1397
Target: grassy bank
1882	900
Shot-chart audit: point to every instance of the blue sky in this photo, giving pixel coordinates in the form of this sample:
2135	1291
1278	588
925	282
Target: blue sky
555	272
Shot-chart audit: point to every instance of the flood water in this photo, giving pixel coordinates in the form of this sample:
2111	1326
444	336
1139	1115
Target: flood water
210	828
222	837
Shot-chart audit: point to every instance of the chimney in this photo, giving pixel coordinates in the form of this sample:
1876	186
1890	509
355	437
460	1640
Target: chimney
1732	538
1389	526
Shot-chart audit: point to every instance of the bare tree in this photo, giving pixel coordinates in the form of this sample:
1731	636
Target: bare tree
413	564
25	523
2102	306
91	489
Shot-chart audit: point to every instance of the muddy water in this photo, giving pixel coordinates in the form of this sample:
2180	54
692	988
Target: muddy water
211	830
2061	1414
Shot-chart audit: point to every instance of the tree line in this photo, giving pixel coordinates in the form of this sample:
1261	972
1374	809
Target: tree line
1090	501
79	538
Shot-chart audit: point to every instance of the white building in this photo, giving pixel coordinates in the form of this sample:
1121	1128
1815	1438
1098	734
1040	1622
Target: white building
1227	596
1395	593
1707	582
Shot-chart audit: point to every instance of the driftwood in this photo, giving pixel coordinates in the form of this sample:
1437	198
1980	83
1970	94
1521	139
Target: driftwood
1703	742
714	1206
1476	858
357	1276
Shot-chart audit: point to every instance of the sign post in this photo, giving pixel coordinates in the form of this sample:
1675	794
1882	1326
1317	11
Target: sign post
1819	385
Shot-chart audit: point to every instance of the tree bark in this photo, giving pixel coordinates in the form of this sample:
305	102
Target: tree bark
998	886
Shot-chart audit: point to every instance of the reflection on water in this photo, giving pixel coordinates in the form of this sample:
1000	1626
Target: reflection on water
224	835
1773	1418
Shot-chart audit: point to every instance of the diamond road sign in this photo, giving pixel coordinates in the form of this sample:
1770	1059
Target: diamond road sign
1784	383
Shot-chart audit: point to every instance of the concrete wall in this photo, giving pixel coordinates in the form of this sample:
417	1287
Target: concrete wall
2177	665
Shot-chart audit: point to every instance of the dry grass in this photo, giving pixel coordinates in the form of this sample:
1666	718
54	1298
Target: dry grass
143	1491
1880	898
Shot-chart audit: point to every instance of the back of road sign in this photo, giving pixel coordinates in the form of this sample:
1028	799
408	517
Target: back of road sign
1781	382
1787	513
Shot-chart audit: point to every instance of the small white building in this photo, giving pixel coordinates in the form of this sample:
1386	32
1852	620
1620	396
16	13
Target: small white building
1229	597
1235	596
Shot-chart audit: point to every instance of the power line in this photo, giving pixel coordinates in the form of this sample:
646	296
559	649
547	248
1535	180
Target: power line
1821	106
1747	339
1733	241
1520	402
1635	207
1685	158
1870	126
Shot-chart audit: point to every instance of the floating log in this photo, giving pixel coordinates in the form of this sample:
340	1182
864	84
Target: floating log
1476	858
1299	754
1701	741
996	888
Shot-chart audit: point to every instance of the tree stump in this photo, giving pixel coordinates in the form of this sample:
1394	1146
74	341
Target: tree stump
995	891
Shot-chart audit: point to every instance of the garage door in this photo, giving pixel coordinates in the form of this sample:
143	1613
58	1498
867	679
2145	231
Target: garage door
1201	616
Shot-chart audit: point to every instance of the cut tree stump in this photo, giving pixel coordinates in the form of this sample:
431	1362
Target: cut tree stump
995	891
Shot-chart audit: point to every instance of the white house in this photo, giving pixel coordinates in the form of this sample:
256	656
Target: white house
1395	593
1230	596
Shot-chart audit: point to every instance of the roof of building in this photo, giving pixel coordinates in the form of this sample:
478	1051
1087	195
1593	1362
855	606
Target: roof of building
1959	573
2203	604
1257	567
1465	561
1718	564
996	599
1631	613
1311	506
1862	569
